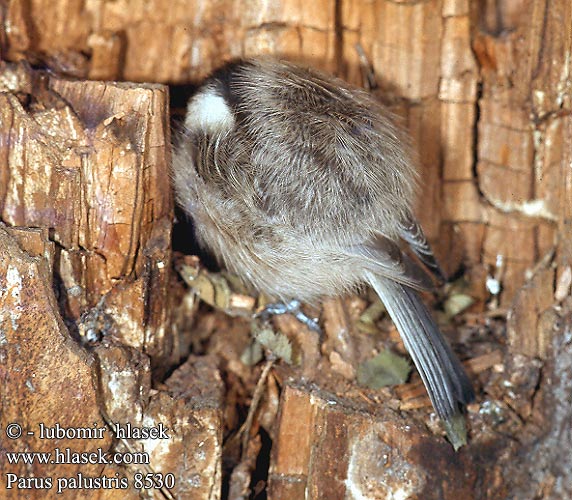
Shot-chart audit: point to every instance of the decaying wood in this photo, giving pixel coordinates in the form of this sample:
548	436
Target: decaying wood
86	163
485	90
443	60
34	388
163	41
342	448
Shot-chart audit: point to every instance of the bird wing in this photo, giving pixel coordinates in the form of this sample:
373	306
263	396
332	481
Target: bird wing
411	232
383	256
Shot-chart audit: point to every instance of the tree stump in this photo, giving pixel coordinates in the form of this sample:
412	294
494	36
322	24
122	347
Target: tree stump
97	328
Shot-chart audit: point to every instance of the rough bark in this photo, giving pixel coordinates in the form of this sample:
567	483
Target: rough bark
85	164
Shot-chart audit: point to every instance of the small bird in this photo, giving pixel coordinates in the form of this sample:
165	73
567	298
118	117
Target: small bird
303	186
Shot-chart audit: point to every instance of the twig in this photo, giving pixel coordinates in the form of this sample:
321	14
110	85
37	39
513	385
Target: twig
368	73
256	397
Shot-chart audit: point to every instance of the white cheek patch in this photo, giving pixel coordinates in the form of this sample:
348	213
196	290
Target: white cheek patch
208	111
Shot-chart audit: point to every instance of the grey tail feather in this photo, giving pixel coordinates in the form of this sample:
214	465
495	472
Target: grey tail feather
444	377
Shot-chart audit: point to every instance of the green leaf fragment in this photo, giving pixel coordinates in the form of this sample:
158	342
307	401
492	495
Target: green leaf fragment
276	342
457	303
384	369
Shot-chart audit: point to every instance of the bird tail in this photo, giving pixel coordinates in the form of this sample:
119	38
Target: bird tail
444	377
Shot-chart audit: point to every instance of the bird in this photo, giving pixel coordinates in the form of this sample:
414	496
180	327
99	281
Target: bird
304	186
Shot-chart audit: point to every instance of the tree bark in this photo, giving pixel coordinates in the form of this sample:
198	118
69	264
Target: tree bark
86	200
